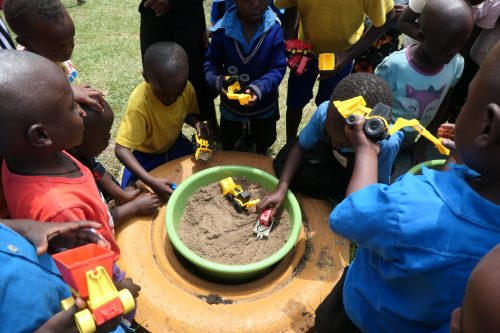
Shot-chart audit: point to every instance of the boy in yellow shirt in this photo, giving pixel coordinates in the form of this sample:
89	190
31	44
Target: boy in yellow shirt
151	130
330	26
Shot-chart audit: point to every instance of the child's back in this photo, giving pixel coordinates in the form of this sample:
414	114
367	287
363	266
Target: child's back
420	238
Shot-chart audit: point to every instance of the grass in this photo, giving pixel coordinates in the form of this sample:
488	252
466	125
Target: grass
107	56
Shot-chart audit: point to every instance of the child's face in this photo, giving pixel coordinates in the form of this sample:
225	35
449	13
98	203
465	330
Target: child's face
64	123
335	128
168	90
50	40
96	134
440	48
251	10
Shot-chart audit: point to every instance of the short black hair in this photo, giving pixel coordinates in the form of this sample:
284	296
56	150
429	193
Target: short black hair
373	88
20	13
164	58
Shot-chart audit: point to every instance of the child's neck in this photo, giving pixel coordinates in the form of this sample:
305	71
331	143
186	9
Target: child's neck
249	29
56	164
421	60
487	187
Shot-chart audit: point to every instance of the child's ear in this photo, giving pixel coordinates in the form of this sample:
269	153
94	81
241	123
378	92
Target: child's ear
456	321
490	129
38	136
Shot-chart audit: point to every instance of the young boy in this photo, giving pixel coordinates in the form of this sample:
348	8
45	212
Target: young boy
96	134
39	120
421	76
151	130
319	163
419	239
330	26
480	308
248	42
45	28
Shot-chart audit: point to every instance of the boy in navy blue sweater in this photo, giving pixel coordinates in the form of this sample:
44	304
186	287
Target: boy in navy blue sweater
248	40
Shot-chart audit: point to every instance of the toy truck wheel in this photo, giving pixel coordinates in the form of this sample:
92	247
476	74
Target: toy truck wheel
374	128
67	303
232	70
85	321
127	300
244	79
351	120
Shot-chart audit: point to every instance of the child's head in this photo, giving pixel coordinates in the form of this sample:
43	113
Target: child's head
373	89
251	11
166	70
42	27
445	26
481	304
38	113
477	129
96	133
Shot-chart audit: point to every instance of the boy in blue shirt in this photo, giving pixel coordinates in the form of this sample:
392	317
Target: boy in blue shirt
419	239
248	41
320	162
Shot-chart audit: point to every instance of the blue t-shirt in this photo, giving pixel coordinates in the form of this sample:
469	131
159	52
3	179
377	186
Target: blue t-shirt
417	95
419	240
314	131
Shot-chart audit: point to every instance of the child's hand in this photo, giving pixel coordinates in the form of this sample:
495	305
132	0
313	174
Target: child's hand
58	235
84	94
273	201
447	134
359	141
446	131
146	204
128	194
159	6
161	187
203	130
127	283
399	9
253	98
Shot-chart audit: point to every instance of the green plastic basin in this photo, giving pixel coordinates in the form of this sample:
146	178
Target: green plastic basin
432	164
224	272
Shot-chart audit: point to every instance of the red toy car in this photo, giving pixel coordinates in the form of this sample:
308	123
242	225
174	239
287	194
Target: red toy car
298	54
265	217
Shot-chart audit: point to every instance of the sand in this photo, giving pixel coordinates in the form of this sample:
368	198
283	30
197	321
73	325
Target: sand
213	229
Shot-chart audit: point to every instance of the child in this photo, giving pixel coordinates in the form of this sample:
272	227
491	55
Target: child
39	120
319	163
421	76
248	41
419	238
481	305
151	130
45	28
181	22
95	139
330	26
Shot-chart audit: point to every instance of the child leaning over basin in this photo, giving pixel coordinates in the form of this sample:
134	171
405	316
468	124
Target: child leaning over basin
39	120
419	238
151	130
320	162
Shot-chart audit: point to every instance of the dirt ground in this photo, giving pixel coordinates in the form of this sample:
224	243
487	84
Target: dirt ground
212	228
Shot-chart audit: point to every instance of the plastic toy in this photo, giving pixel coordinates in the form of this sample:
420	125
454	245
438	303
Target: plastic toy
236	195
326	62
264	224
298	55
87	270
401	123
203	152
173	186
377	119
234	88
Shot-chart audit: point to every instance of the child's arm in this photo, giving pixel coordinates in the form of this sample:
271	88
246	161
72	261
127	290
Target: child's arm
366	158
343	58
269	82
160	186
275	199
407	24
110	188
146	204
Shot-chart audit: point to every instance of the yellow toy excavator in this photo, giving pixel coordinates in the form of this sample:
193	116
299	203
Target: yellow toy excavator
236	195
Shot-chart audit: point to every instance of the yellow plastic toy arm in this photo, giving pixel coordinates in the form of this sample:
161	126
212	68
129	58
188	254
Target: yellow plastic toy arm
101	288
355	105
242	98
401	123
252	203
203	152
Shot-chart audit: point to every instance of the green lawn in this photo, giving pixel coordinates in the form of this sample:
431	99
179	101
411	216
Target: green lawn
107	56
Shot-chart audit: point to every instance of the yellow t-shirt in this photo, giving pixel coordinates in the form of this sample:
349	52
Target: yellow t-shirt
336	25
149	126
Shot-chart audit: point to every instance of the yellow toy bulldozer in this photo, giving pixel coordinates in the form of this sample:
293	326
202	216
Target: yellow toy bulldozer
236	195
